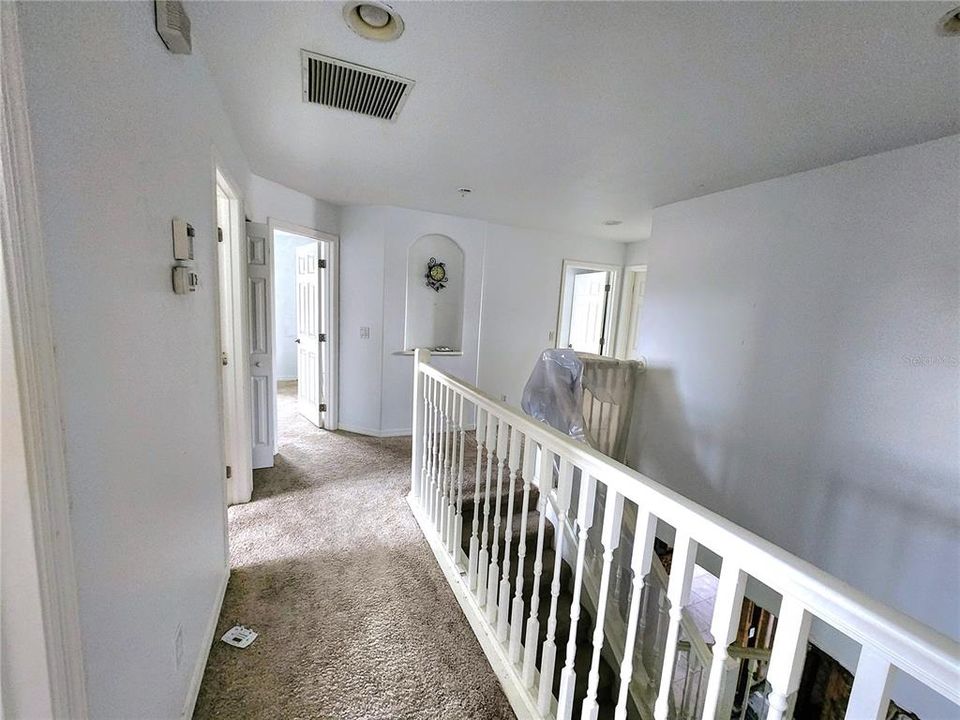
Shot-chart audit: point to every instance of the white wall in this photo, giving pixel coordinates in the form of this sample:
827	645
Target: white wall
521	299
125	136
636	253
266	199
285	302
511	295
803	349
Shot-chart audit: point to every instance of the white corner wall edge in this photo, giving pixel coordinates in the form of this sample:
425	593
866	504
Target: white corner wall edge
24	266
196	678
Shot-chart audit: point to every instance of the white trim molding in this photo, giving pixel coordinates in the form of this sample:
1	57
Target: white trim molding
38	383
332	418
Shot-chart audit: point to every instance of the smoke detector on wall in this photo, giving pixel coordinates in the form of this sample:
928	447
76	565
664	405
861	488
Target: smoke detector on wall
173	26
373	20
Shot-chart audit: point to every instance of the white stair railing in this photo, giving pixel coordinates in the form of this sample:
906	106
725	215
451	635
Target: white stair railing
502	616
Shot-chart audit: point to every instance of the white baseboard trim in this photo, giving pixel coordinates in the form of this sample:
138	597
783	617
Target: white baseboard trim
193	691
397	432
508	674
371	432
286	379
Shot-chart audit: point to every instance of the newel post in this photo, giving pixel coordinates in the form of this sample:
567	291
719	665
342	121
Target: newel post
421	356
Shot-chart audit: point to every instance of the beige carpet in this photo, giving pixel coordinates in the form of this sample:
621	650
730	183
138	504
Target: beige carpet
355	618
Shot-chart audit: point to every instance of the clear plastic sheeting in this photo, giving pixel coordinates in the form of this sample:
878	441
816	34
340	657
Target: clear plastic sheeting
554	392
588	397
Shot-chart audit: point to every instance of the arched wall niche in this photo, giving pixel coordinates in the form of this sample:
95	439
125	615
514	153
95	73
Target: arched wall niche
434	319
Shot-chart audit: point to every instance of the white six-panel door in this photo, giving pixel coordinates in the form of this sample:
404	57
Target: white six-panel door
260	308
310	335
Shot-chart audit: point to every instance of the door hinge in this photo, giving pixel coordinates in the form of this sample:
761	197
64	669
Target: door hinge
219	234
321	263
606	288
223	359
323	337
229	472
323	407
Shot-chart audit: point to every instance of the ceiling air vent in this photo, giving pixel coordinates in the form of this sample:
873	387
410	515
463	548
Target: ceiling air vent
346	86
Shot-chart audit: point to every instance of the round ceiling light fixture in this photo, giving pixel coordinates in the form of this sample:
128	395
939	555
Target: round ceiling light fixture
611	223
373	20
950	23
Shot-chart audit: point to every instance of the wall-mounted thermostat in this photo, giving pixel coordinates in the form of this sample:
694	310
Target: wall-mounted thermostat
182	240
185	280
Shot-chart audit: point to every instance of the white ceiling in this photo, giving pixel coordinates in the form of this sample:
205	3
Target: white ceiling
561	115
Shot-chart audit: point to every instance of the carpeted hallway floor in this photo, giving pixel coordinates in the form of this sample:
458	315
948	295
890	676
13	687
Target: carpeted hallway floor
355	617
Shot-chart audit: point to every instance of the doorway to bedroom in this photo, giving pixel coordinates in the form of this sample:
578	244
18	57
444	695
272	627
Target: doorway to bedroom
304	321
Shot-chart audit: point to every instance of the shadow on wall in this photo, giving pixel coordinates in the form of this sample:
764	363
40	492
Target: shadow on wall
893	525
658	414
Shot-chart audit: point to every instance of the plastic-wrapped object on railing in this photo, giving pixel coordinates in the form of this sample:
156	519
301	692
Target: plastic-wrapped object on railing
554	392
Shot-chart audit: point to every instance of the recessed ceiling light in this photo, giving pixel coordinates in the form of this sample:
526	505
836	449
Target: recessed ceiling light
950	23
464	191
611	223
373	20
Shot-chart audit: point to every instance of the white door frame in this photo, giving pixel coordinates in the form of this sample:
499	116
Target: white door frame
614	300
231	301
38	431
624	330
331	390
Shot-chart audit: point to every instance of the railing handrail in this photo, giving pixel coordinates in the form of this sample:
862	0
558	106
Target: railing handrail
914	648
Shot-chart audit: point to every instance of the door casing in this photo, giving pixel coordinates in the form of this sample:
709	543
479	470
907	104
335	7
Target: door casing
610	334
232	335
330	305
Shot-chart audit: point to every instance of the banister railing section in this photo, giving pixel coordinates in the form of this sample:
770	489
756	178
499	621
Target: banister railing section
549	546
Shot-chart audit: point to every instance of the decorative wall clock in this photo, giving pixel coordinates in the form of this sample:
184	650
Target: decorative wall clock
436	274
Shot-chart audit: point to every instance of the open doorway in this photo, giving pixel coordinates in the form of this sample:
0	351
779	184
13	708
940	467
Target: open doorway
588	307
305	319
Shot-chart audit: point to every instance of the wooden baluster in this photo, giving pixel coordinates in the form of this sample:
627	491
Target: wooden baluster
458	516
432	441
438	515
450	508
503	610
484	557
640	563
516	613
473	557
493	572
612	517
678	593
687	670
438	460
418	454
727	608
870	696
787	656
564	487
746	691
442	516
533	623
588	492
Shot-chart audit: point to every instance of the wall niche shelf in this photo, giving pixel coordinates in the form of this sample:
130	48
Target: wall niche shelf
433	314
